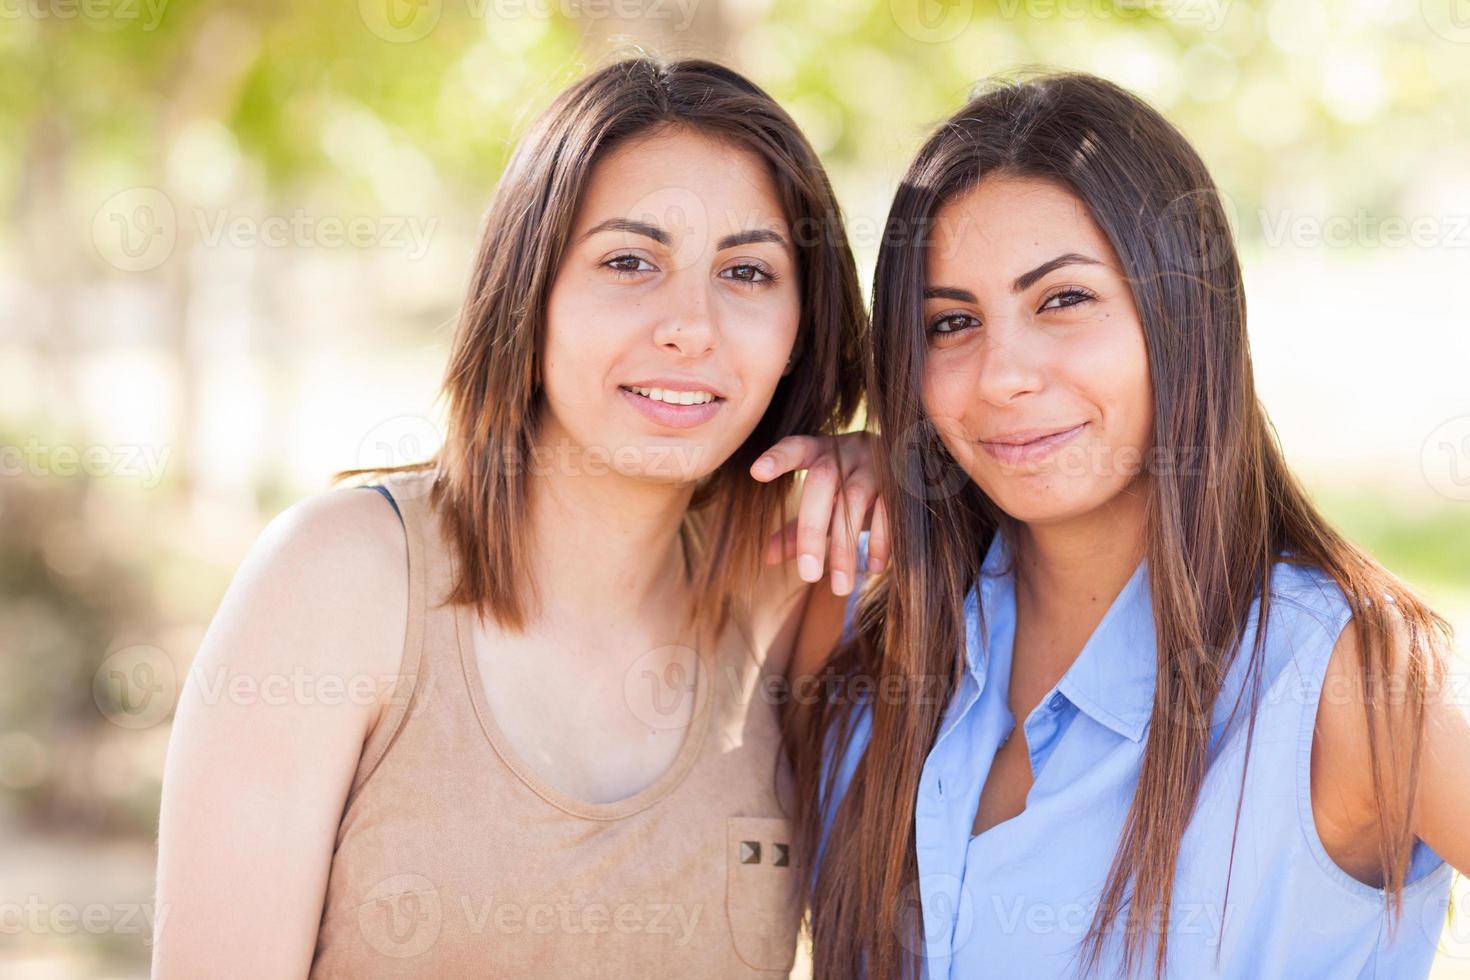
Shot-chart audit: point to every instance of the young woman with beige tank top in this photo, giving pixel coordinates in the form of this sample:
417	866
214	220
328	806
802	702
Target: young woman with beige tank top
533	727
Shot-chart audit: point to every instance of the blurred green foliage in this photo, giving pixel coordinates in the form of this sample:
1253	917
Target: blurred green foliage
1283	91
1429	548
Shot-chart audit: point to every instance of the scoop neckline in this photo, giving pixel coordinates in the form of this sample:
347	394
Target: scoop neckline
689	750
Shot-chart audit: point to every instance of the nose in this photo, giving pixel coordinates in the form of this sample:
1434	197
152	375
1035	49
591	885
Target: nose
687	326
1011	363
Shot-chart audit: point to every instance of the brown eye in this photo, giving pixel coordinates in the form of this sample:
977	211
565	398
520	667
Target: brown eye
749	272
953	323
1072	296
629	264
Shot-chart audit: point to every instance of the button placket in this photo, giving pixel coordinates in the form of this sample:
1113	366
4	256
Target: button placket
960	704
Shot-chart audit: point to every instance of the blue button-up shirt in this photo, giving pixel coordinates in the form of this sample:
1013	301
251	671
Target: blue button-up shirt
1017	900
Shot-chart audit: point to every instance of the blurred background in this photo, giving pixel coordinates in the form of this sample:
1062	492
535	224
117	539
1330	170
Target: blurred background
235	234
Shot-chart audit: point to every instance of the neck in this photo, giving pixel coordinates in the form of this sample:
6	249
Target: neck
604	545
1081	564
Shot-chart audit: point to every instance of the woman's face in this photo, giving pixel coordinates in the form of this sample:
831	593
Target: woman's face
1037	375
673	311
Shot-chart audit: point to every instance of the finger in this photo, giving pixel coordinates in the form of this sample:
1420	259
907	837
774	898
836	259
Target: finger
879	549
790	454
814	514
848	518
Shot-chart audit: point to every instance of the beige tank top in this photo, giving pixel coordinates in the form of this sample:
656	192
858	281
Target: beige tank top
453	859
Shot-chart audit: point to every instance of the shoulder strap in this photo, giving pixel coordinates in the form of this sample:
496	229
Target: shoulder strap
407	681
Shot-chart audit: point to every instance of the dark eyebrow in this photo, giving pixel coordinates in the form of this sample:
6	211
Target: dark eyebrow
750	238
662	237
949	292
1023	281
1026	280
636	227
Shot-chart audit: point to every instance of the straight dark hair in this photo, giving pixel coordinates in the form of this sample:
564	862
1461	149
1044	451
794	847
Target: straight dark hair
1214	529
492	384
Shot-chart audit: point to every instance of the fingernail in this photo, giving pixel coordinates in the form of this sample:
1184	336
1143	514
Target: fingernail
840	584
809	568
875	564
763	465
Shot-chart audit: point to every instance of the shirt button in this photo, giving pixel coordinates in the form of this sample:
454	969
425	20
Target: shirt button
1056	702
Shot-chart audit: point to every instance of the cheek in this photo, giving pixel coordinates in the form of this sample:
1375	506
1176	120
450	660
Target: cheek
785	319
580	336
1112	374
761	338
947	393
948	386
559	340
1129	395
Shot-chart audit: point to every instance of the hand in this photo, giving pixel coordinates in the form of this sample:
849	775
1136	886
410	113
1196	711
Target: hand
855	509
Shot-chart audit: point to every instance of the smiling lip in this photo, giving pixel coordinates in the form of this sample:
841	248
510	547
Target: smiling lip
1028	446
675	384
673	416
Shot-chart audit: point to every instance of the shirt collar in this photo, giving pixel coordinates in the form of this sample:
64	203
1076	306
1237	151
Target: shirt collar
1114	676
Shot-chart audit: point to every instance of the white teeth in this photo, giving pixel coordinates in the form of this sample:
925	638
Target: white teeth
674	397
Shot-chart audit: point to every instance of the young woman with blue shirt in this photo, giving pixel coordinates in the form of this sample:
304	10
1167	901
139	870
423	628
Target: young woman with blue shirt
1121	701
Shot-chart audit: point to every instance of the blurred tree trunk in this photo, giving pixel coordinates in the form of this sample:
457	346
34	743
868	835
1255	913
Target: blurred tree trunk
202	82
54	268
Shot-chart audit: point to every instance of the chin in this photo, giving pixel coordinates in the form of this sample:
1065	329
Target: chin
667	461
1042	505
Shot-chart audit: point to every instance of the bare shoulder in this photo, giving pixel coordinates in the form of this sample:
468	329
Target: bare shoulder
268	733
338	526
325	587
1344	799
1342	729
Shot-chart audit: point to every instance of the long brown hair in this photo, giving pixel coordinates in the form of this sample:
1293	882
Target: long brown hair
492	381
1214	528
